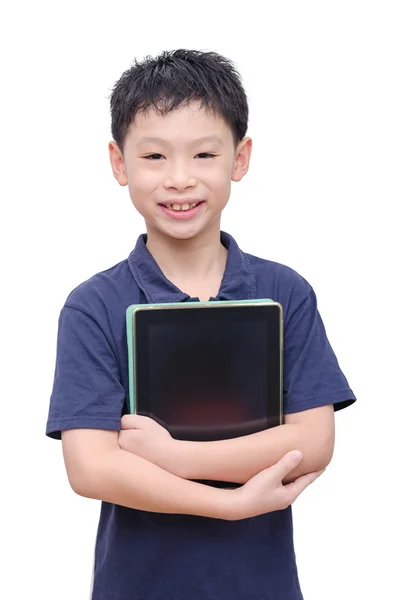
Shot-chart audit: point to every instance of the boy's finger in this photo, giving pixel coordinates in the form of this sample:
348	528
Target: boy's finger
295	488
135	422
130	421
286	464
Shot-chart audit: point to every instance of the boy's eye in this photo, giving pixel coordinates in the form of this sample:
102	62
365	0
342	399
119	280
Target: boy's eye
157	156
206	155
154	156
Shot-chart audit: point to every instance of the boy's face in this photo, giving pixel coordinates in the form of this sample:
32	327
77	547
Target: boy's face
167	162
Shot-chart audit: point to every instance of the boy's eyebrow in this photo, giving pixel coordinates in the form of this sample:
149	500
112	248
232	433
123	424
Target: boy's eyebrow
157	140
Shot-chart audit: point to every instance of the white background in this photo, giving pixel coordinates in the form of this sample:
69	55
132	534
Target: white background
319	197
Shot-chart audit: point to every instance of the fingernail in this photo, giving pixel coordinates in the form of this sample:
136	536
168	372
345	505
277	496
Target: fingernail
297	455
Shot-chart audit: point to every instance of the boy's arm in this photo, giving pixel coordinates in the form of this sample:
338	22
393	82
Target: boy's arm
311	431
98	468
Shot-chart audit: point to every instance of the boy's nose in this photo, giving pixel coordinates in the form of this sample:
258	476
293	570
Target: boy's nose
179	178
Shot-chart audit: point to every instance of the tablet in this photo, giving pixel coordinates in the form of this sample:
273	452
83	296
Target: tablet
207	370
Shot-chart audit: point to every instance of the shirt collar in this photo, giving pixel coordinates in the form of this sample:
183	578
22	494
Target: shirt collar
238	281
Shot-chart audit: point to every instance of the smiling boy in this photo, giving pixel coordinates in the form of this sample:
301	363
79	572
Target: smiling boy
179	125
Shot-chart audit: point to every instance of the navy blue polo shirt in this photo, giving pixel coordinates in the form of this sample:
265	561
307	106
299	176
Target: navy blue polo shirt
149	556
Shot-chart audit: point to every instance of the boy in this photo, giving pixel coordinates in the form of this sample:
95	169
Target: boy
179	123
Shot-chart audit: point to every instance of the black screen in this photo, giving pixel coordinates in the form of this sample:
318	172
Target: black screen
209	374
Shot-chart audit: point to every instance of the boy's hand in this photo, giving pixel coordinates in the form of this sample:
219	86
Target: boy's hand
144	437
265	491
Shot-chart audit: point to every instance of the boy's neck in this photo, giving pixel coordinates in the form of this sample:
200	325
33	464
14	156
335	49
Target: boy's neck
190	262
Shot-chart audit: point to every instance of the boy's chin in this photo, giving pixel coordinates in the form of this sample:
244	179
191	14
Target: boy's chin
179	233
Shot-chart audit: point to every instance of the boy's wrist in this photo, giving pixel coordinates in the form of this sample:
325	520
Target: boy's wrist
236	508
180	458
226	505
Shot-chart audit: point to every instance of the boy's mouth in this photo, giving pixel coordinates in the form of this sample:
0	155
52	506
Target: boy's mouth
182	211
182	207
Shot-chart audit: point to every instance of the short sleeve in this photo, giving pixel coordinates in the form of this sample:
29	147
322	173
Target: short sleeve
312	376
87	391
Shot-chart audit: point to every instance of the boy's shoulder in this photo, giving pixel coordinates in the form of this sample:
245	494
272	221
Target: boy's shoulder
263	265
280	281
261	277
103	288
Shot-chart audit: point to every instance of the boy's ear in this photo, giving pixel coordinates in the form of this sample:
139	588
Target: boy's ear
117	162
242	159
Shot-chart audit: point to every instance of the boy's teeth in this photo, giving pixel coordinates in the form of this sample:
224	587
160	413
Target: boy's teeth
184	206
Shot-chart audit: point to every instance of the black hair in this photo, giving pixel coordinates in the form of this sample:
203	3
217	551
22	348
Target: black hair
174	79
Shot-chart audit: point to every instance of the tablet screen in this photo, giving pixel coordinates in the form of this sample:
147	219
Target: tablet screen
209	374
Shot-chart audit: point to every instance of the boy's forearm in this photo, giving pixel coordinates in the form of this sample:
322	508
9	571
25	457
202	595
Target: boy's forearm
128	480
240	458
